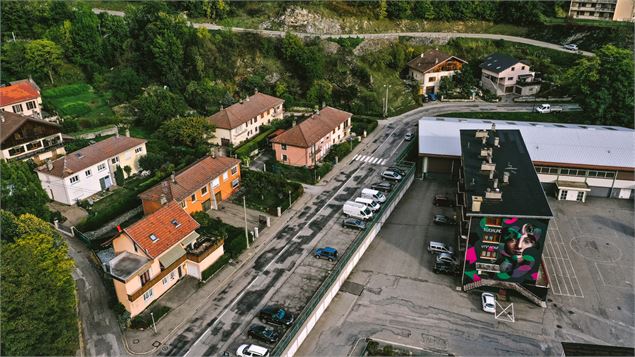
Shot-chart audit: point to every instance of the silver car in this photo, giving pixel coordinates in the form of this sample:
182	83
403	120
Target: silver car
447	259
570	47
391	175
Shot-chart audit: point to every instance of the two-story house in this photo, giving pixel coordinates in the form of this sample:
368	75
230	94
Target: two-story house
21	97
84	172
503	74
307	143
199	187
430	67
24	137
153	254
242	121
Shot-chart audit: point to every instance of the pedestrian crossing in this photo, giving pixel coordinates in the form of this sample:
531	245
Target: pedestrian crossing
370	159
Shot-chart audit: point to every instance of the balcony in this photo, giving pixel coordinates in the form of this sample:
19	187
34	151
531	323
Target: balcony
21	153
202	248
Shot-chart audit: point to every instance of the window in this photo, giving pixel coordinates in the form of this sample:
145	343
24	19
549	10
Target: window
522	67
235	183
145	277
225	176
553	170
234	170
172	275
176	223
510	78
30	105
138	150
193	197
493	221
563	195
513	68
183	204
115	159
204	191
17	108
101	167
488	254
165	281
74	179
284	146
88	173
216	182
491	237
284	158
580	196
147	295
432	79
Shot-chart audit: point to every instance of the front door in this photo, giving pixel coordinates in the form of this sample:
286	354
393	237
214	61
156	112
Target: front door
105	182
207	205
180	272
218	197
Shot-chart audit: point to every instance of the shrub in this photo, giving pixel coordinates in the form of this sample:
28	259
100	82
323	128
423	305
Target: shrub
75	109
144	320
207	273
104	215
361	123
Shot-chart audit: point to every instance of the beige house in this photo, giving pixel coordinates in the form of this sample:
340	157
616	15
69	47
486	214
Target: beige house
430	67
612	10
242	121
502	74
153	254
25	137
21	97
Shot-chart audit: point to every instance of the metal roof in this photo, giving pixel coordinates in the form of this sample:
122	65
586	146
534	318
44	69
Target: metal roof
575	144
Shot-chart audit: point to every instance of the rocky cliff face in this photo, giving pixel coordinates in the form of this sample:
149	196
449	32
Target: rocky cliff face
301	20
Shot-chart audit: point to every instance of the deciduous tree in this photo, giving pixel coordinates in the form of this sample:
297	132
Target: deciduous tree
42	57
21	190
156	105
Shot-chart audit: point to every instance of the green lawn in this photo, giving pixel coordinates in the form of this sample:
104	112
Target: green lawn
80	102
562	117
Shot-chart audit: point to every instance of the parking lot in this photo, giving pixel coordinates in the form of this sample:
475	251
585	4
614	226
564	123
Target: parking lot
394	296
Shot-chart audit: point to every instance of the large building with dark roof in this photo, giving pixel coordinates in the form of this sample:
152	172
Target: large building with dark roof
503	74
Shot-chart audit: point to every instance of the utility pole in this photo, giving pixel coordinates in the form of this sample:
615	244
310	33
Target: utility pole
289	198
246	230
153	323
386	101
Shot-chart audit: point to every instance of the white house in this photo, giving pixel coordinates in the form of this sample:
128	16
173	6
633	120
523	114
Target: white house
503	74
21	97
87	171
430	67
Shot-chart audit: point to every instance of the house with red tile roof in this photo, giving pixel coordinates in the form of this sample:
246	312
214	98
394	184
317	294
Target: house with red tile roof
153	254
430	67
242	121
21	97
23	137
87	171
307	143
199	187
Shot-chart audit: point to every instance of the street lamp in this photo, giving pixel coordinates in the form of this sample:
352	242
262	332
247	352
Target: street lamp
246	230
153	323
386	100
289	198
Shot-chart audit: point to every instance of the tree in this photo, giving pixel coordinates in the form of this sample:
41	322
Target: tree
205	96
22	191
156	105
119	178
124	83
151	161
446	86
42	56
423	10
86	41
381	11
398	9
128	170
38	310
190	131
320	92
13	60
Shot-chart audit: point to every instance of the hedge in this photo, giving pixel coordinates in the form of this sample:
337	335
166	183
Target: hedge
144	320
207	273
67	90
253	144
115	209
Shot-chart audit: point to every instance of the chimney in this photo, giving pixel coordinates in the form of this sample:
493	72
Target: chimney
506	177
494	127
293	123
497	141
163	199
166	191
491	175
255	91
483	140
127	132
173	177
117	133
421	55
221	107
476	203
436	60
49	163
241	101
246	98
2	116
495	183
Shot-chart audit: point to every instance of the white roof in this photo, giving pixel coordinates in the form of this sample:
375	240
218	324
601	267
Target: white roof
574	144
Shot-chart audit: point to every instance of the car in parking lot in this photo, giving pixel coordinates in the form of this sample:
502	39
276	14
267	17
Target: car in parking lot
488	302
263	333
353	223
276	315
398	170
391	175
443	200
446	258
444	268
409	136
252	351
326	253
435	247
570	47
382	186
443	220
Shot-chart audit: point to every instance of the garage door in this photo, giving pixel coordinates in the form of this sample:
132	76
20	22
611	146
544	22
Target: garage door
599	191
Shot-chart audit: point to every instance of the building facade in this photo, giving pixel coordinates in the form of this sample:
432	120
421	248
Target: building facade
153	254
307	143
502	74
24	138
87	171
21	97
613	10
199	187
430	67
242	121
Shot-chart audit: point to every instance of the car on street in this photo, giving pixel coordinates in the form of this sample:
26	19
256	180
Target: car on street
252	351
398	170
391	175
443	268
547	108
382	186
276	315
409	136
489	302
570	47
353	223
442	200
446	258
326	253
263	333
443	220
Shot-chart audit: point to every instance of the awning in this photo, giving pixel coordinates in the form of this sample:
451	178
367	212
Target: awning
172	255
572	186
190	238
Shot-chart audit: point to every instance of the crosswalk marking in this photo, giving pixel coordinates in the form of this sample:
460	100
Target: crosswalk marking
370	159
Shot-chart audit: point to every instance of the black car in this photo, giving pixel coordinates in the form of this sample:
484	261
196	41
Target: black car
353	223
263	333
382	186
442	200
445	268
443	220
276	315
401	172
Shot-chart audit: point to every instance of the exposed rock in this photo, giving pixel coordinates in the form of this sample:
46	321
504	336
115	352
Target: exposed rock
330	47
301	20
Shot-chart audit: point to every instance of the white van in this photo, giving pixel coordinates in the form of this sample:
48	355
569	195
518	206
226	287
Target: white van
374	195
438	247
374	206
357	210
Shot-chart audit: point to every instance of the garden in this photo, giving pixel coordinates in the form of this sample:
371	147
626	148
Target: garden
266	191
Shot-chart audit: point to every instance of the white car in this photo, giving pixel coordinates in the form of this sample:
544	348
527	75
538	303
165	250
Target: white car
391	175
409	136
570	47
252	351
489	302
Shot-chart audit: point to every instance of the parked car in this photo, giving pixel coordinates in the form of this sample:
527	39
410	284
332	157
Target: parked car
443	268
369	202
276	315
391	175
357	210
570	47
382	186
432	96
489	302
398	170
442	200
446	258
354	223
374	195
326	253
252	351
263	333
547	108
438	247
409	136
443	220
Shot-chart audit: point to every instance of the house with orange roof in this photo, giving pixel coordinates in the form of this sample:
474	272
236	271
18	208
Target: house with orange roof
199	187
21	97
430	67
153	254
87	171
242	121
307	143
23	137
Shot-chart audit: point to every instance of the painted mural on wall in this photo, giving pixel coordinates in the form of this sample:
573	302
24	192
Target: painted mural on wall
507	249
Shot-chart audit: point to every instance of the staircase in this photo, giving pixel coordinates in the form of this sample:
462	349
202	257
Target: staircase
506	285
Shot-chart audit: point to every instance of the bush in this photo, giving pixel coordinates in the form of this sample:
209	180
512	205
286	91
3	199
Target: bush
207	273
361	123
265	191
110	212
75	109
144	320
257	142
